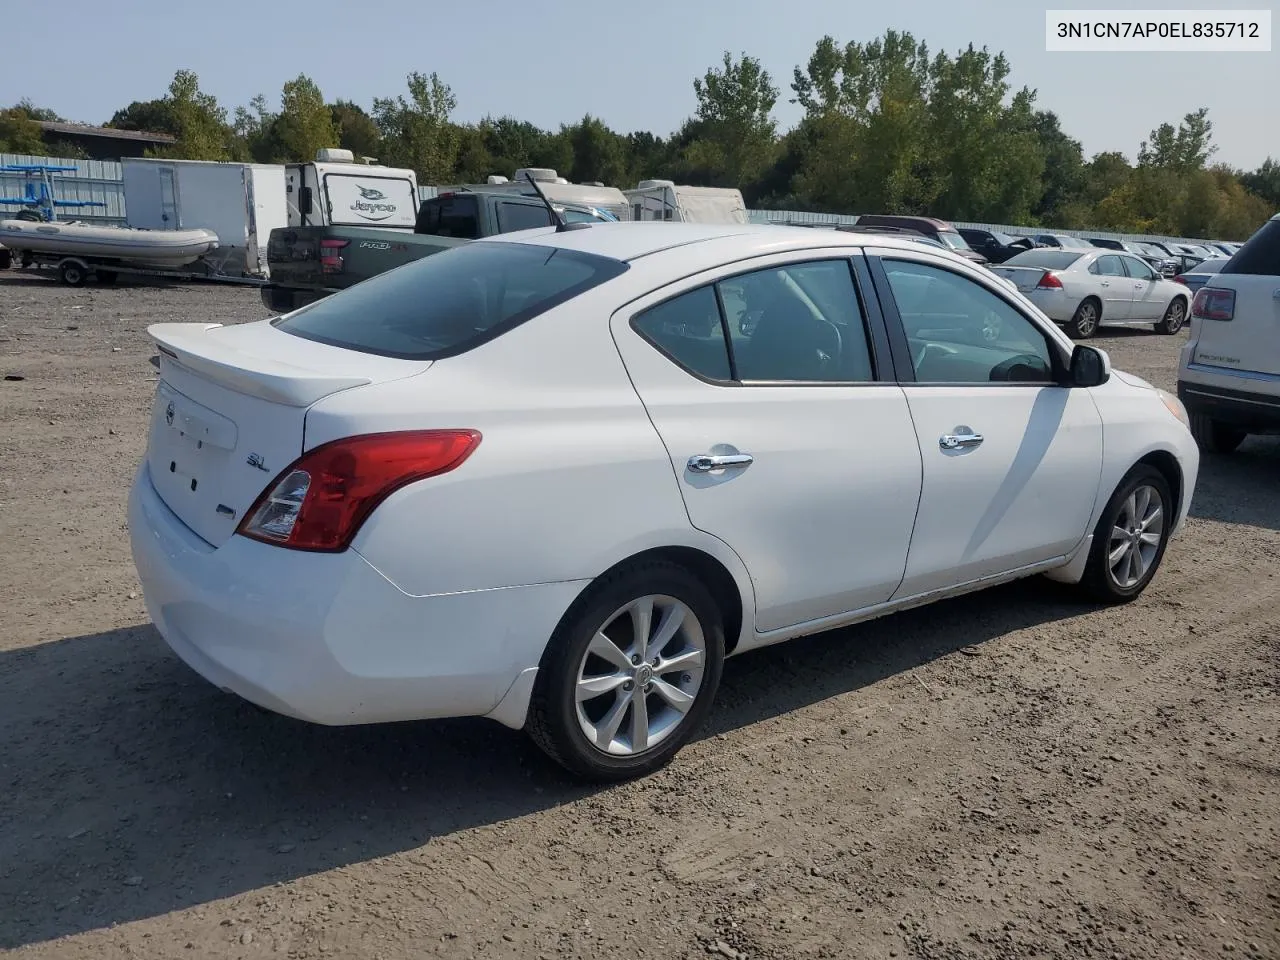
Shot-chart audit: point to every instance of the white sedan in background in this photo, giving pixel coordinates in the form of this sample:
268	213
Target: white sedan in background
1085	289
555	478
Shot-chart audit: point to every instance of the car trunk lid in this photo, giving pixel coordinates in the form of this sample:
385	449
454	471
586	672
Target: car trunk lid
1024	278
229	412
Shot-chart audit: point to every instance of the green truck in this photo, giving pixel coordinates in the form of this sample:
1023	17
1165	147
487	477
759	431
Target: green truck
307	263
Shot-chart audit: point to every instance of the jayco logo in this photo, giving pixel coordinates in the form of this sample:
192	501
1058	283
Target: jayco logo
373	204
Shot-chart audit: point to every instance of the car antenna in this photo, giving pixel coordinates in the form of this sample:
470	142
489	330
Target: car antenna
561	224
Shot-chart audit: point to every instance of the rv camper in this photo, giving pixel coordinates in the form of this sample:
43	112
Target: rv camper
240	202
664	200
337	191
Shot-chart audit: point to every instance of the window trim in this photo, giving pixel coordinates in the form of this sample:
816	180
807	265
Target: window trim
1059	354
1123	269
1154	274
878	346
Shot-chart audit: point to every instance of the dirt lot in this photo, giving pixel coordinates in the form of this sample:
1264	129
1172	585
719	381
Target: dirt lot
1008	775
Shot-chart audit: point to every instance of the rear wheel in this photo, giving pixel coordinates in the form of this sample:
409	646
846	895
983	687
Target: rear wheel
71	273
1213	436
1084	323
1131	536
1174	317
630	674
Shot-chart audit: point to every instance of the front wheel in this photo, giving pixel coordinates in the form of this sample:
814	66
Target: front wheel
1174	317
1131	536
1084	323
630	674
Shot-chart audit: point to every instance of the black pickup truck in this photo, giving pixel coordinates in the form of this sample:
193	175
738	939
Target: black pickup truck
309	263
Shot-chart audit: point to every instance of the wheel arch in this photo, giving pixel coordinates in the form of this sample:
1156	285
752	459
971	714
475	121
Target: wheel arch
1171	470
709	569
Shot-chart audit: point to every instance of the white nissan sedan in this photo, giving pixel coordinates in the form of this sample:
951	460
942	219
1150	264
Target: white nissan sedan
556	477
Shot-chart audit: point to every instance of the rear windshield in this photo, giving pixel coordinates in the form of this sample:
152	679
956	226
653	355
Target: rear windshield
1260	255
953	240
1045	259
449	302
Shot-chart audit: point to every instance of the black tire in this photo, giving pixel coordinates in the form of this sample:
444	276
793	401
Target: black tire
1084	323
1100	582
1212	436
553	721
6	259
72	274
1175	317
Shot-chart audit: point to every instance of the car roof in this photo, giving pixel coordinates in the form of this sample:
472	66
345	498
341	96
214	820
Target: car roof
631	240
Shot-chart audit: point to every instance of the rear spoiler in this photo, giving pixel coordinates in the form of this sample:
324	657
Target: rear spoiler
190	346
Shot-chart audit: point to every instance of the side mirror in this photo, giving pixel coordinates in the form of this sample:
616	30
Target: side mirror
1090	367
304	201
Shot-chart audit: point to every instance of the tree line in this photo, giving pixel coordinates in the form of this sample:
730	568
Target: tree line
888	127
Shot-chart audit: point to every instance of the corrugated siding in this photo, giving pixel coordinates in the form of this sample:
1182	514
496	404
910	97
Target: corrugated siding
97	180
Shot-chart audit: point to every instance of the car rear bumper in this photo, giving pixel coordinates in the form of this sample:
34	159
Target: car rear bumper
328	639
1246	399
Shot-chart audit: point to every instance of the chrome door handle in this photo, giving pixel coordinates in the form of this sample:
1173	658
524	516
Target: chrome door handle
1106	283
705	462
952	441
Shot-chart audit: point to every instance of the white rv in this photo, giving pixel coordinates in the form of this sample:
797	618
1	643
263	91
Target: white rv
557	189
335	190
240	202
665	200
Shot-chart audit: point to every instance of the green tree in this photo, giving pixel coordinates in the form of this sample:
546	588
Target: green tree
1186	148
305	124
355	129
733	137
1265	183
1064	180
19	131
417	131
187	113
598	153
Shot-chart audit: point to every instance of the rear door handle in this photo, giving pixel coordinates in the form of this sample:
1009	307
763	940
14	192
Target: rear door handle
705	462
953	441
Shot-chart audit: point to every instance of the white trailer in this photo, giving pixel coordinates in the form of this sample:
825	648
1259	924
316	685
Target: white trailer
665	200
240	202
335	190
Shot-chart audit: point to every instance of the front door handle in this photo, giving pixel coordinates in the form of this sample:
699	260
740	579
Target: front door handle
705	462
953	441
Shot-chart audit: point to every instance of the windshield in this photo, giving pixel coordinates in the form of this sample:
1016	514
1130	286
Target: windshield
953	240
1043	259
450	302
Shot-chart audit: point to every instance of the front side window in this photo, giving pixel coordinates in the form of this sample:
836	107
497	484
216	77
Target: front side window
960	332
1138	270
449	302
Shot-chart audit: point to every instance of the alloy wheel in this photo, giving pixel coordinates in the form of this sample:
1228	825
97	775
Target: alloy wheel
640	675
1135	536
1087	319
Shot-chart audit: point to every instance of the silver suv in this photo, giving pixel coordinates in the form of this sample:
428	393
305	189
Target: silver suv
1229	371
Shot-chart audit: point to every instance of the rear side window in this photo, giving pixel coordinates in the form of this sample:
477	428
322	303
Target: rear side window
456	216
522	216
449	302
687	329
1260	255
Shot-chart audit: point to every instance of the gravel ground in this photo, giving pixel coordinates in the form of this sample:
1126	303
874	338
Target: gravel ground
1007	775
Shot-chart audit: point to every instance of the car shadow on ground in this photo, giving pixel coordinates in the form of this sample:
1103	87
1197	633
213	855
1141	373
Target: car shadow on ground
133	788
1240	487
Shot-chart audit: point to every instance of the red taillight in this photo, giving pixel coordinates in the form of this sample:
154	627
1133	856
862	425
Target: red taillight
1214	303
320	502
1049	282
1179	279
330	260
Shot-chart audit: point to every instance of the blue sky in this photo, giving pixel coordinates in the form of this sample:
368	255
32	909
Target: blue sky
630	64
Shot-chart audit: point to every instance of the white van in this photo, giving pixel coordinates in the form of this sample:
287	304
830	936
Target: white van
1229	371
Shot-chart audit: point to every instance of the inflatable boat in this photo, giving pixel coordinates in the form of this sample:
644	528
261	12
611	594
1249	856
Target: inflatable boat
159	248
